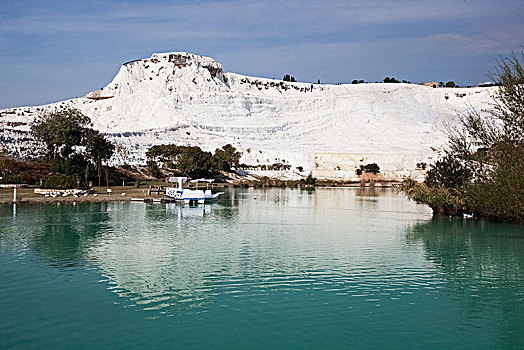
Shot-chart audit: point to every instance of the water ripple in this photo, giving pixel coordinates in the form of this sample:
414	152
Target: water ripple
325	259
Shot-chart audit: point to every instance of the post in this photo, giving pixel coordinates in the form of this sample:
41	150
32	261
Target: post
14	194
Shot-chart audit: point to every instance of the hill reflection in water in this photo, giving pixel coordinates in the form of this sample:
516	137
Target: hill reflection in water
362	256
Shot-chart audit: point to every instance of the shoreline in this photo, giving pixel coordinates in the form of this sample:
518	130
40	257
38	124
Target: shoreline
26	195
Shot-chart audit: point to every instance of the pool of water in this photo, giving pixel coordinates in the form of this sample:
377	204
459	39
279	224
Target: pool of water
276	268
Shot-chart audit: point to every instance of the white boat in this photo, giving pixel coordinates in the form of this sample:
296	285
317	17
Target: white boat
178	192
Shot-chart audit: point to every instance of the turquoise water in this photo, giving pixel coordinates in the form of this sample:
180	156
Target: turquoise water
332	268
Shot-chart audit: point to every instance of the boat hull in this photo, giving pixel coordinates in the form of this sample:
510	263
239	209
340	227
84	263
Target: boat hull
187	195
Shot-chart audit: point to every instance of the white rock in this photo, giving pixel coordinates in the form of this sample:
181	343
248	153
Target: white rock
328	129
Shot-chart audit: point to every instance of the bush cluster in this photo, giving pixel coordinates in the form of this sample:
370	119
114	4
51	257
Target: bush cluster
61	181
72	147
192	161
482	170
290	78
372	168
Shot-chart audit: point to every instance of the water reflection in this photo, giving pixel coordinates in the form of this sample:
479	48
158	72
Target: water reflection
58	233
482	263
356	248
167	255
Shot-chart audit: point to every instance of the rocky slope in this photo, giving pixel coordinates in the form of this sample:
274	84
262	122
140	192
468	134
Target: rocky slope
330	129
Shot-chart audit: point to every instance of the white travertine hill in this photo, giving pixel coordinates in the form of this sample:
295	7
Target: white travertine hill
330	129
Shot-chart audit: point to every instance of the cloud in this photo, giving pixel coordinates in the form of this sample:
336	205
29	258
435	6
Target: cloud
330	39
492	41
241	18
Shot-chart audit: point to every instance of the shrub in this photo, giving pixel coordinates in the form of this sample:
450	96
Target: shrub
153	169
372	168
309	180
390	80
9	178
226	157
194	162
442	200
449	172
482	170
59	181
289	78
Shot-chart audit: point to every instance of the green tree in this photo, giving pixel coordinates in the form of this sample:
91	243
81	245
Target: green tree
60	132
194	162
165	153
152	166
449	171
309	180
123	152
390	80
450	84
372	168
98	149
290	78
482	171
226	158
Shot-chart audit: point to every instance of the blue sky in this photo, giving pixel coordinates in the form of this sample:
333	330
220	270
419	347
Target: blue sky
52	50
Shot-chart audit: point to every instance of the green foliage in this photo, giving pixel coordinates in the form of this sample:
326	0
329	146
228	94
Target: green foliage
226	158
164	153
194	162
372	168
10	178
309	180
390	80
60	181
290	78
449	172
122	152
63	134
18	171
153	169
75	164
169	165
98	149
501	194
450	84
60	132
482	171
442	200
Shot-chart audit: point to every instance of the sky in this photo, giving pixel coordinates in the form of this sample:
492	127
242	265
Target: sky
53	50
